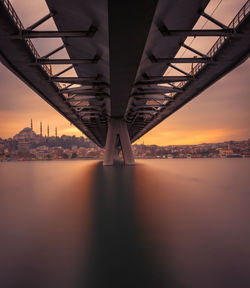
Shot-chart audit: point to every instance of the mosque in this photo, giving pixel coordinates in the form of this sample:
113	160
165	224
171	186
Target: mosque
26	137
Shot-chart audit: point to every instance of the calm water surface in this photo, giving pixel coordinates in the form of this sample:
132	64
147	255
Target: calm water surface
163	223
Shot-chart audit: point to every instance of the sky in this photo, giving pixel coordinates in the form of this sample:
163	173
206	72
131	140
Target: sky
220	113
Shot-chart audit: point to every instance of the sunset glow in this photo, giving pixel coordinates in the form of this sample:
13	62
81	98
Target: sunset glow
220	113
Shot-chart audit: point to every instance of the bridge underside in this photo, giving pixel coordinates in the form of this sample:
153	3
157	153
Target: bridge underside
120	51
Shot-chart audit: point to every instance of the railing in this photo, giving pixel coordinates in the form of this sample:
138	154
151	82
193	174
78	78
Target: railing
217	45
31	46
240	16
244	11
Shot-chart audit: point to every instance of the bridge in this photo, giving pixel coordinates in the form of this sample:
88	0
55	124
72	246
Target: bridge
120	51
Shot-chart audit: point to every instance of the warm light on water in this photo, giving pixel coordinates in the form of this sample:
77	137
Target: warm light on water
162	223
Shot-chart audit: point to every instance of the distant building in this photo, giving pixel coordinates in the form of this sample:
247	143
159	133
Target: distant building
1	145
226	152
41	129
25	138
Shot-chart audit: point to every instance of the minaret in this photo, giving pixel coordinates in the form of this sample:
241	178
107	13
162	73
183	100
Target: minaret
31	124
56	132
48	130
41	129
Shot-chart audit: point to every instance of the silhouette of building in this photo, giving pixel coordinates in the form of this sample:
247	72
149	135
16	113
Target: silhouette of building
25	138
41	129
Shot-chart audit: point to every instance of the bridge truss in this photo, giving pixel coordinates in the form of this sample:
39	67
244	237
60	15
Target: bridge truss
120	53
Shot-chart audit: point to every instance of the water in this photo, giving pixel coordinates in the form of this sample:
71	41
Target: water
163	223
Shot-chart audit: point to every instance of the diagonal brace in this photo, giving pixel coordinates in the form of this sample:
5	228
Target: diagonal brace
193	50
216	22
39	22
53	52
63	71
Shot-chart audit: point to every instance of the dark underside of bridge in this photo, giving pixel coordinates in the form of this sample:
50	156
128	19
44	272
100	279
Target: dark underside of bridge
120	51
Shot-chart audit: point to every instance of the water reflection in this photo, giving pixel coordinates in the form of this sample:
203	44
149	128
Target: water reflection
119	257
44	223
162	223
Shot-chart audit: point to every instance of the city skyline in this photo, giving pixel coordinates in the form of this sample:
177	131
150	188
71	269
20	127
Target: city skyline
221	113
26	145
40	129
54	134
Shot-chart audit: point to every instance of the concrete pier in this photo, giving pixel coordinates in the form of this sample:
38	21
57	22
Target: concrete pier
118	138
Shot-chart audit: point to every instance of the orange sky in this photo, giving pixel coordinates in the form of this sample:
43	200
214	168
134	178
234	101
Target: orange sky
220	113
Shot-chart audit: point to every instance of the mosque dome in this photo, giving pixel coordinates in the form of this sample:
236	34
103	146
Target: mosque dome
25	133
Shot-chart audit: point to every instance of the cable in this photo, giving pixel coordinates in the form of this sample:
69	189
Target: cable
191	42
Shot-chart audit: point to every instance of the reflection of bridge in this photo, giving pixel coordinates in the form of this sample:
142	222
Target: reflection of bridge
120	51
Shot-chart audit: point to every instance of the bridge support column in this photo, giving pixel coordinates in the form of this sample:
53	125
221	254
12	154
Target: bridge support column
118	136
117	152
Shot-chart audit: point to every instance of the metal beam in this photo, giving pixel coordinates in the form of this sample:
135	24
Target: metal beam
151	106
158	101
80	97
91	93
86	93
203	33
153	59
96	95
147	109
163	80
153	97
193	50
180	70
168	78
53	52
79	90
29	34
159	96
98	107
39	22
68	86
87	108
171	84
75	90
216	22
196	32
42	61
63	71
75	80
82	113
158	90
146	112
95	85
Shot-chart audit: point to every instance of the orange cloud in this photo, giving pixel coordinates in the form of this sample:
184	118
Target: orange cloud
185	137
